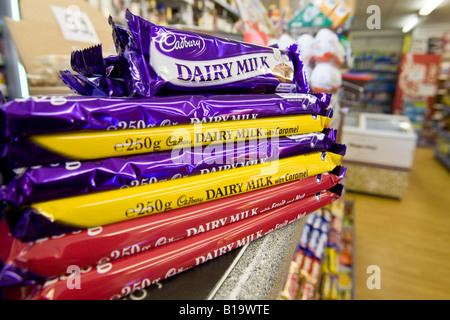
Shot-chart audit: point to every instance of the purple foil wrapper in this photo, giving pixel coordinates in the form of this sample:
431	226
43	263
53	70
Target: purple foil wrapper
97	76
157	60
178	61
28	225
39	115
75	178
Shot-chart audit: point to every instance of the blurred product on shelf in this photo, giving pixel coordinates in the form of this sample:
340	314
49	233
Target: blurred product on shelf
442	142
322	266
257	26
326	77
305	43
3	85
328	48
382	67
322	56
435	131
206	15
416	91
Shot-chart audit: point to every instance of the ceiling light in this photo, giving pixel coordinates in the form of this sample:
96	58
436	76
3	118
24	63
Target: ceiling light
429	7
410	24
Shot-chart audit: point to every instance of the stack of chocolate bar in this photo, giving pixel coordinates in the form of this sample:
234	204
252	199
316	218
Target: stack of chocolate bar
178	150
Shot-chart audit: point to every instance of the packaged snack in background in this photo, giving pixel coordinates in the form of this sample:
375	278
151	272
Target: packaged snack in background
305	43
315	273
313	240
334	239
307	291
340	14
327	47
291	286
326	77
298	258
329	288
317	222
328	6
321	244
304	237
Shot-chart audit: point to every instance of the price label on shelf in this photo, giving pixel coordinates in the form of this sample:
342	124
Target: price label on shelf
75	24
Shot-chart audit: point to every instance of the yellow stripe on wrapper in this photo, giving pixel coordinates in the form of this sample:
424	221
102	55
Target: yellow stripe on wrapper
87	145
101	208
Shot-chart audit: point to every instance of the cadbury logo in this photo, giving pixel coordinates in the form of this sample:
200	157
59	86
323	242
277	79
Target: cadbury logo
170	42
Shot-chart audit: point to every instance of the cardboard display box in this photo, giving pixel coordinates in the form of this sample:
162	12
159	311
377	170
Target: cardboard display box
48	32
380	153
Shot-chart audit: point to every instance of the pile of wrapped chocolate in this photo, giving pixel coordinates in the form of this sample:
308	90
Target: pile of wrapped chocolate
177	150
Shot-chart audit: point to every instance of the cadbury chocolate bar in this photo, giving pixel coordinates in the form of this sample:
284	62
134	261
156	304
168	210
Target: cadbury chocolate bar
53	114
116	279
102	208
86	145
162	60
176	60
52	255
90	145
78	177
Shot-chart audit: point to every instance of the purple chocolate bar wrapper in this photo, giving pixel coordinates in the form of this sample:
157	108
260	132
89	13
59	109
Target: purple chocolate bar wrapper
37	115
15	275
74	178
27	224
175	60
40	115
157	60
97	76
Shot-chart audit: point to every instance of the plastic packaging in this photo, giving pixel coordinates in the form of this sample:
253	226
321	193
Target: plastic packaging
326	77
50	256
160	60
119	278
78	177
96	145
89	145
102	208
56	114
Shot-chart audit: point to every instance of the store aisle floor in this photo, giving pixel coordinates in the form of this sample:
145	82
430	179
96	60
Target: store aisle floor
408	239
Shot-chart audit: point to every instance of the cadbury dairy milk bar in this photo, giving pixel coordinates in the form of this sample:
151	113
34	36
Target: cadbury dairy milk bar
100	144
156	60
51	256
118	278
39	115
107	207
77	177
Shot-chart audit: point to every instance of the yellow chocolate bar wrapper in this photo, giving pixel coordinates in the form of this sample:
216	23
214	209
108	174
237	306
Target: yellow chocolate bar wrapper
101	208
87	145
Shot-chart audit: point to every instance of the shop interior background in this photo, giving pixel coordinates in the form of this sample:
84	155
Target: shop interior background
401	228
